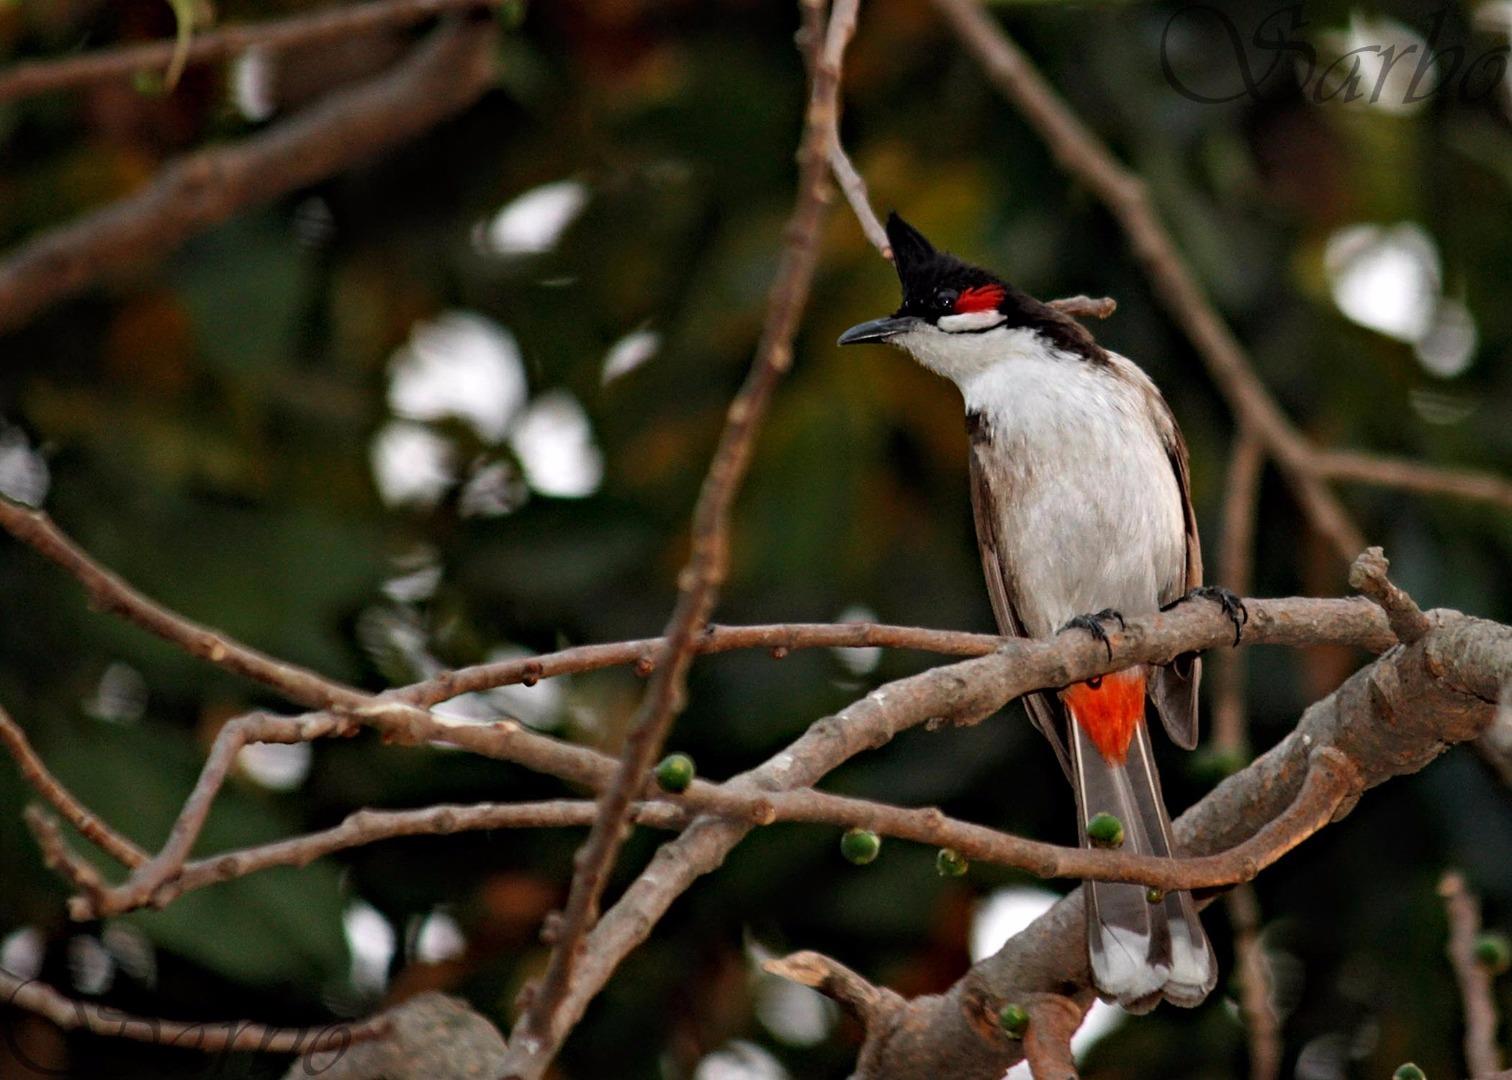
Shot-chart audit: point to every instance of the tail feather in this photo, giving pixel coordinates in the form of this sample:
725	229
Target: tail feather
1140	951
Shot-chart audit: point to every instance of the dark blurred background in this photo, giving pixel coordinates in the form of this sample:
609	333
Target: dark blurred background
456	404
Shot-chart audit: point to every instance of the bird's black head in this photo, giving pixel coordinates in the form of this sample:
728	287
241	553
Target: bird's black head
946	296
936	284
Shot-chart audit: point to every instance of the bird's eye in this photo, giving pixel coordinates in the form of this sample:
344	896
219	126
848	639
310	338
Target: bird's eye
946	298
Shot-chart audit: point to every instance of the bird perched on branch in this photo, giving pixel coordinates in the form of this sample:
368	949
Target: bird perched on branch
1083	515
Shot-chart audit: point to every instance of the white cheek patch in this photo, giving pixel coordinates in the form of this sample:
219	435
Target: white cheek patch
971	320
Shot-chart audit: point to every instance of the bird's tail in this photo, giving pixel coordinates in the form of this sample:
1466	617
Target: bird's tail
1143	945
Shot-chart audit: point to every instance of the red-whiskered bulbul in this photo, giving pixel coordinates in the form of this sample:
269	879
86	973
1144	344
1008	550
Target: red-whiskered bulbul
1079	488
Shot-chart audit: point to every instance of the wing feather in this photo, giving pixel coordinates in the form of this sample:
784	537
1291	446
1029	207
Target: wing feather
1044	710
1174	687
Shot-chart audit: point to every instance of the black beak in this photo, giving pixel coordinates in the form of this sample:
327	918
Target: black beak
878	330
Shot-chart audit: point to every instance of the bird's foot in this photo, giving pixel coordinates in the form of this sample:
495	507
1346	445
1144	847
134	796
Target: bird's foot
1232	606
1093	624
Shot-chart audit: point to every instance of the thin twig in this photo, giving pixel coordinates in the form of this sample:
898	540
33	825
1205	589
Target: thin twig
860	997
1462	908
779	638
970	689
854	188
440	77
1037	664
1086	158
700	581
371	826
35	773
109	593
1368	574
1314	805
58	857
1086	307
28	77
210	1037
1241	500
1411	476
1260	1020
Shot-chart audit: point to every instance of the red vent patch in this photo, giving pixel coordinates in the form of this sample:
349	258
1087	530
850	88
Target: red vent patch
980	298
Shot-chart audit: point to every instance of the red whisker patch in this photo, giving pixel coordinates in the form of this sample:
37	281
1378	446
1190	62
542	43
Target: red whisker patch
979	298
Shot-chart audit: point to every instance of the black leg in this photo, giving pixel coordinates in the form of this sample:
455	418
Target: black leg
1093	624
1232	606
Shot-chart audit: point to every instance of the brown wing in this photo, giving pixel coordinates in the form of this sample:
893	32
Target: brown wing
1044	710
1174	688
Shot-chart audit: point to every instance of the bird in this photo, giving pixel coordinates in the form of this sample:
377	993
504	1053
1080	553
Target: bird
1080	491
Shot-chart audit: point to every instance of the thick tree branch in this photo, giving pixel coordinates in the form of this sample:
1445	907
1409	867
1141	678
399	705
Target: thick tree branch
169	874
1038	664
1390	718
963	692
442	76
1053	1019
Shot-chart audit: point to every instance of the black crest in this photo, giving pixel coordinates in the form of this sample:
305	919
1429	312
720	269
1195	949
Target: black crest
933	279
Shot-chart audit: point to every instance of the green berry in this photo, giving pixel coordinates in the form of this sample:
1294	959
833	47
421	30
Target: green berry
860	846
1015	1021
951	863
675	772
1493	952
1105	831
1408	1071
1213	765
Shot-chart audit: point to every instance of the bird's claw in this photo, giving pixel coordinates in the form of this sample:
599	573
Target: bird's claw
1093	624
1232	606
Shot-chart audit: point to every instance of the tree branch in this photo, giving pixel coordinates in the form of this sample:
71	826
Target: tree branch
29	77
441	76
1253	972
779	638
1053	1019
1390	718
169	874
1462	909
1086	158
35	773
962	692
1411	476
215	1036
541	1029
109	593
371	826
1368	574
1236	571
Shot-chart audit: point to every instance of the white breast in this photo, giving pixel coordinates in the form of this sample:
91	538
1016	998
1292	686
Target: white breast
1091	511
